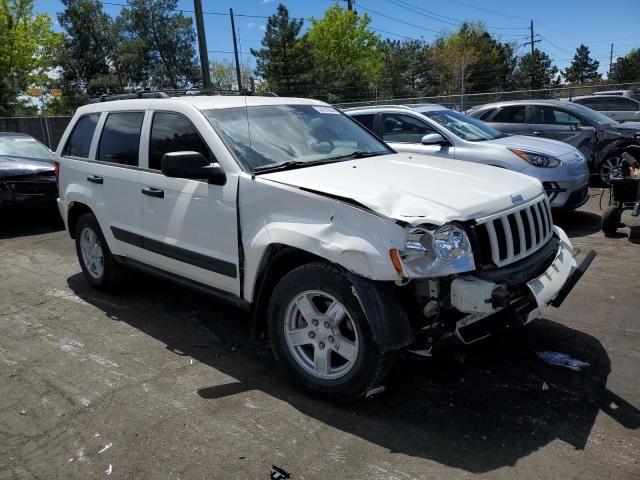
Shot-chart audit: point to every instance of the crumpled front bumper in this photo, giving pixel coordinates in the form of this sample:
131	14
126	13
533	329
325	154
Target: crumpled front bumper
28	191
474	296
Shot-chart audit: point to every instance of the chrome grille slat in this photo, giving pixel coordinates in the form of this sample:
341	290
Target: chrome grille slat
536	230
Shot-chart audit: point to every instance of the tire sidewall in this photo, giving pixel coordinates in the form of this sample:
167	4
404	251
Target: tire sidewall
334	283
88	220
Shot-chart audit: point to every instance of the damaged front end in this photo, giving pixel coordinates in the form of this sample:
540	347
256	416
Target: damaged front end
37	189
514	265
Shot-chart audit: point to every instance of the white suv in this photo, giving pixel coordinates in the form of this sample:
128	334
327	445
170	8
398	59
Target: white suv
345	251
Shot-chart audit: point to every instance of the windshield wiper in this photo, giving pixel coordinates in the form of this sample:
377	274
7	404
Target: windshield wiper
292	164
358	154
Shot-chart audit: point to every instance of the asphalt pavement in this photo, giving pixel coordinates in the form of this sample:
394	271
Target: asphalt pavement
161	382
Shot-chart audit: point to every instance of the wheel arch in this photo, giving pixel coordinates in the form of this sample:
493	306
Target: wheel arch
387	318
76	210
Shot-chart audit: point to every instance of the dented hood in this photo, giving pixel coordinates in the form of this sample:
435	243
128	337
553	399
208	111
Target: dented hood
416	188
18	166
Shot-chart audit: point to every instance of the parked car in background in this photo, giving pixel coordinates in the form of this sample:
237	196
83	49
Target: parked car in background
436	130
26	171
601	139
344	250
619	93
621	109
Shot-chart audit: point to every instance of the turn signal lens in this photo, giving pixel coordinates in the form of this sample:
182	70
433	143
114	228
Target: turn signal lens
395	259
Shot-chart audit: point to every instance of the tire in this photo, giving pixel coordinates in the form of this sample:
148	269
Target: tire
97	262
611	220
309	351
607	166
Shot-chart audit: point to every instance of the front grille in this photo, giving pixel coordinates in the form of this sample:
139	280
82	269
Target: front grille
31	188
510	236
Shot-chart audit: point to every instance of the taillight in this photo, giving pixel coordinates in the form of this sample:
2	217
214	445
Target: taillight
56	172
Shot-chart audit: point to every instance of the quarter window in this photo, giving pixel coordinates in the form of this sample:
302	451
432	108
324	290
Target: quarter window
120	139
404	128
79	142
172	132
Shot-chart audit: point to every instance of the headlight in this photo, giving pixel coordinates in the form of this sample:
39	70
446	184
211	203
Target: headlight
437	252
450	243
537	159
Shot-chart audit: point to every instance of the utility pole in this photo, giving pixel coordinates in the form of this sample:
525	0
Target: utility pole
235	50
462	88
350	5
533	49
532	44
610	61
202	45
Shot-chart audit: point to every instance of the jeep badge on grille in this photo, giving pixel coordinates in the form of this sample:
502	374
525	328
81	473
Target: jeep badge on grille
515	199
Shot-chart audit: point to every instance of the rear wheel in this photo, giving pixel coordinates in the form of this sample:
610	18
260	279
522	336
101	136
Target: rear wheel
611	220
97	262
320	335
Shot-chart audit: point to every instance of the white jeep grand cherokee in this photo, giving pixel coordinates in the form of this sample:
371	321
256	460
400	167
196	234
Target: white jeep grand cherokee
345	251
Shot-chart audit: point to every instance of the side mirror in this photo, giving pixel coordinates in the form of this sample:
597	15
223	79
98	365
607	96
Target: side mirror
434	139
192	165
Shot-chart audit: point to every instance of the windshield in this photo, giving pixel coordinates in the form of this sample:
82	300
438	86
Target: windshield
262	137
466	128
593	116
24	147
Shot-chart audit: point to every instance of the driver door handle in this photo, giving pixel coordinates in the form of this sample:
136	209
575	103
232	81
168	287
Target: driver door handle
95	179
537	134
153	192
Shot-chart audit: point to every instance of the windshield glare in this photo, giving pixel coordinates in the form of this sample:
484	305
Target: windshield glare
466	128
596	117
24	147
268	135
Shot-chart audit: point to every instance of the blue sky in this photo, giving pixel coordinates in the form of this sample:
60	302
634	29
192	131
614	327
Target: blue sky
562	24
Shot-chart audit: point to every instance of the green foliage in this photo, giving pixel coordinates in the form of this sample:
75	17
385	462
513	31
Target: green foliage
583	68
405	68
535	71
224	77
27	52
347	55
627	68
285	59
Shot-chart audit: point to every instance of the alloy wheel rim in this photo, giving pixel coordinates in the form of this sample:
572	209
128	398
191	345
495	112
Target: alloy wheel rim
608	165
321	335
92	255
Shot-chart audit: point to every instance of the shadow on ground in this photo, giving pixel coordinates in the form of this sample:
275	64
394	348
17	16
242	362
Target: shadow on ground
22	221
578	223
478	415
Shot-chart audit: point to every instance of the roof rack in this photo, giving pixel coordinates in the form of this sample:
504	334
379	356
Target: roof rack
168	93
382	105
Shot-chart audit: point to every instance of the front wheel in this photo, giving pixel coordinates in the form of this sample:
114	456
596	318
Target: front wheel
608	165
320	334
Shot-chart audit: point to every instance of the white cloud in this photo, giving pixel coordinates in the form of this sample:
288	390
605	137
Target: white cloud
262	27
251	25
266	1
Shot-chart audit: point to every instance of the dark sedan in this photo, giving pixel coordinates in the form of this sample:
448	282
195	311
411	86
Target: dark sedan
600	139
26	171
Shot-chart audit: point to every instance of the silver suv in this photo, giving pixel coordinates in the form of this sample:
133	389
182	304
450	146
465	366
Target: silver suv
436	130
621	109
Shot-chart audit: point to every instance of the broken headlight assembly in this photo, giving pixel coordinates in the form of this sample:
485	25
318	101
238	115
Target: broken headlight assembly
437	251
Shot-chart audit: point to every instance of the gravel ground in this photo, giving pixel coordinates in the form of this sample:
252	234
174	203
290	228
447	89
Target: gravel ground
172	384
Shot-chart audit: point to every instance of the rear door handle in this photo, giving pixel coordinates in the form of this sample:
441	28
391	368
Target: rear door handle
537	134
153	192
95	179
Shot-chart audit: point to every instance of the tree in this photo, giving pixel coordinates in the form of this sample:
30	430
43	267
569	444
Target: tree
403	68
27	52
167	37
224	77
583	68
535	71
454	56
627	68
285	61
347	55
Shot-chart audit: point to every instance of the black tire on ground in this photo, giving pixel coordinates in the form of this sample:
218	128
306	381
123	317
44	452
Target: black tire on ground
111	275
370	365
611	220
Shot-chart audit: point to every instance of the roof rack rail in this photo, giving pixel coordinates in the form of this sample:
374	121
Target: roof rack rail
381	105
129	96
168	93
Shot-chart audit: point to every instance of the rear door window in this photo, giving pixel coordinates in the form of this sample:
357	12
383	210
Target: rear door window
120	139
79	143
553	116
404	128
365	120
514	114
173	132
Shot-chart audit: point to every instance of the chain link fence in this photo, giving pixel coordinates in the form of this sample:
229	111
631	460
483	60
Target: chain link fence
468	101
48	130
